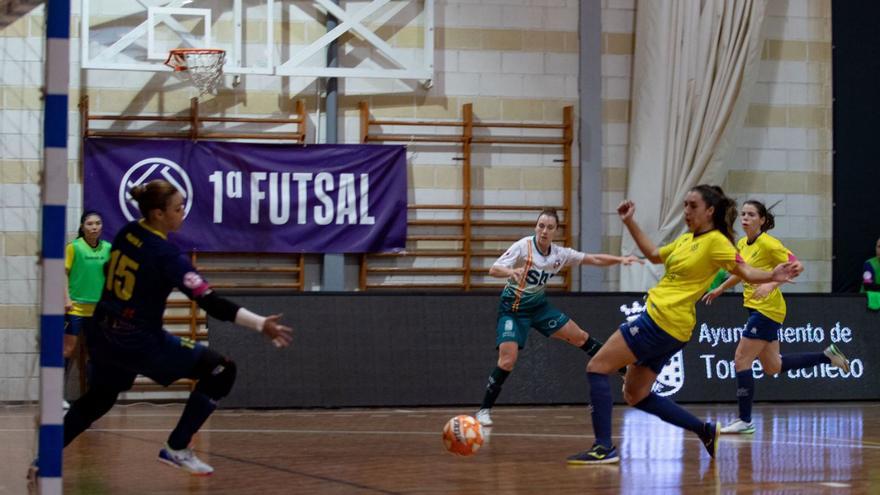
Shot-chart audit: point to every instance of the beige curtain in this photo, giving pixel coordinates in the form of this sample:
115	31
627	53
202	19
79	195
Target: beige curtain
695	65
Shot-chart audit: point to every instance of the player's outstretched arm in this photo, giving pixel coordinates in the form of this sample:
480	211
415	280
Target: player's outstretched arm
783	272
713	294
626	210
610	259
191	283
280	335
226	310
764	290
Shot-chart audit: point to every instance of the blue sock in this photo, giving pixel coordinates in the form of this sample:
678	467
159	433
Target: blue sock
745	392
198	407
803	360
670	412
600	407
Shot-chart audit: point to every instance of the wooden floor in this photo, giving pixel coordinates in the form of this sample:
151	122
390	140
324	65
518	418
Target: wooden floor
798	448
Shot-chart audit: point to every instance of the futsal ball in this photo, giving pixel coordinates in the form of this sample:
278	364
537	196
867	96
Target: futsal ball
463	435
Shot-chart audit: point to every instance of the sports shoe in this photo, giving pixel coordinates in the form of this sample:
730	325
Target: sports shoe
837	358
184	459
484	418
598	454
739	426
33	480
710	435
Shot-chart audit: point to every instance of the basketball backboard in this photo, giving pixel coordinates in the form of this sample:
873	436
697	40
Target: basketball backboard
263	36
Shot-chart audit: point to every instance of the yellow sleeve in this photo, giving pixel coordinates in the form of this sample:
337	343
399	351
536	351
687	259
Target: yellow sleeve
722	253
666	250
781	254
68	257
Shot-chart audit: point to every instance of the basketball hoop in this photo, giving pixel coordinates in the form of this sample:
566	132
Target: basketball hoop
203	66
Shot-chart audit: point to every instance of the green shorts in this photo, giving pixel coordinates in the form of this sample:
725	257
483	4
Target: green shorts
513	326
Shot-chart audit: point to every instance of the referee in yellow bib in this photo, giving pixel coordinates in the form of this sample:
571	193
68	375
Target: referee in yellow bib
84	260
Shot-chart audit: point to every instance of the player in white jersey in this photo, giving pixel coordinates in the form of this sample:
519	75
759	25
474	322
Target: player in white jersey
528	265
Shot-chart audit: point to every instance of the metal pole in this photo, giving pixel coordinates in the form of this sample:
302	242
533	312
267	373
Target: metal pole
590	141
333	269
54	205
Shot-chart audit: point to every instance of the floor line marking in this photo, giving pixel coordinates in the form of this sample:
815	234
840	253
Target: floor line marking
434	433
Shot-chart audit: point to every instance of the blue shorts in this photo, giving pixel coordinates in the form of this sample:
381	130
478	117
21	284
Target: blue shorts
165	359
760	327
651	344
73	324
513	326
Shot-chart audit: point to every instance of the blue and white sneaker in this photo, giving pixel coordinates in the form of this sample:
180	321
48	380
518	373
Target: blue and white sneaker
184	459
598	454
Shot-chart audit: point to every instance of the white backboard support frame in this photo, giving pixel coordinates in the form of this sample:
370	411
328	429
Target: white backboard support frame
107	57
156	15
164	12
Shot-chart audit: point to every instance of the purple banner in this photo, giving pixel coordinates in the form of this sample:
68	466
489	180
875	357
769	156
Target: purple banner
243	197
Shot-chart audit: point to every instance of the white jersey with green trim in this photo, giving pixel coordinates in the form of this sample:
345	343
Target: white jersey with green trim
539	268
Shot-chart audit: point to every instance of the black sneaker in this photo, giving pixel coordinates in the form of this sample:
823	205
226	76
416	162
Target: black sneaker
710	435
598	454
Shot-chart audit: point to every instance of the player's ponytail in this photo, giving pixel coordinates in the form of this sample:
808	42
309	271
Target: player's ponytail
153	195
763	212
725	208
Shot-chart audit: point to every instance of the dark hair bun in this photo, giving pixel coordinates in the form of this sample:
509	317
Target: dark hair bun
138	191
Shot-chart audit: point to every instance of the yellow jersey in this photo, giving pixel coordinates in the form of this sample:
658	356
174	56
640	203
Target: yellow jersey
765	252
691	263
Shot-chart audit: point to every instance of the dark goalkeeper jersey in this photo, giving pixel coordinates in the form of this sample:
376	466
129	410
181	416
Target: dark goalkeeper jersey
143	270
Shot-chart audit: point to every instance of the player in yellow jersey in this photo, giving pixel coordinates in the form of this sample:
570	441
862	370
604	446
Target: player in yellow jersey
528	265
766	313
647	343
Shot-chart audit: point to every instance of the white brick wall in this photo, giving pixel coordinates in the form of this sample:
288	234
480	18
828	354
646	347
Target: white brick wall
513	16
794	83
781	83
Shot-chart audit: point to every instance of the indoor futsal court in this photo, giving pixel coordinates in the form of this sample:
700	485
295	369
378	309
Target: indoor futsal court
801	448
439	247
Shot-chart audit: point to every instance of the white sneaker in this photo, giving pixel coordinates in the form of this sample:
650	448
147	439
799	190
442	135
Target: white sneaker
739	426
837	358
184	459
65	405
484	418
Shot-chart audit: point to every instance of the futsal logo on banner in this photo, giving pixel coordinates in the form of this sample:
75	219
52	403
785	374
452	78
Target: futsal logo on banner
149	169
671	377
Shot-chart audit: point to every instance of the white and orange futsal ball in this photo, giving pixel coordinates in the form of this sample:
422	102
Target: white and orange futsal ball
463	435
